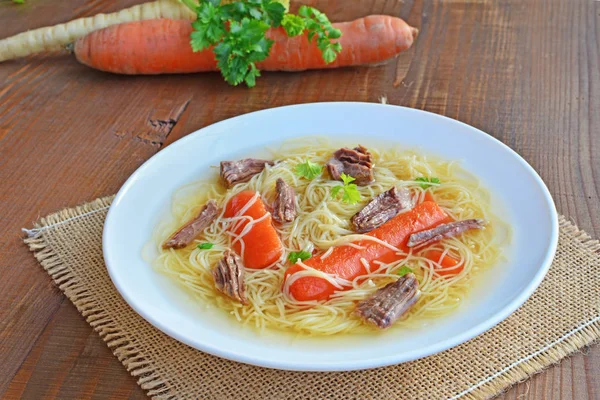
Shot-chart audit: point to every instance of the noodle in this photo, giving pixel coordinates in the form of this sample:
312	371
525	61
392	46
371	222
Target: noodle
322	223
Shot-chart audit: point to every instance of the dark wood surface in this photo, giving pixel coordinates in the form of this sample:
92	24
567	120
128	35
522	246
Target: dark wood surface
526	71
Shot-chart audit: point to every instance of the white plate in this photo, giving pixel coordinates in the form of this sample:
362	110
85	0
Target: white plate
519	194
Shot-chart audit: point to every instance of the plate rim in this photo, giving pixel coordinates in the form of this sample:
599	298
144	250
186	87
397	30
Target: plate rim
365	363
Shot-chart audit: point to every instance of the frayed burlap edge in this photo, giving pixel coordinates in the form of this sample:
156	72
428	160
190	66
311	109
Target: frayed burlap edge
149	380
572	342
125	351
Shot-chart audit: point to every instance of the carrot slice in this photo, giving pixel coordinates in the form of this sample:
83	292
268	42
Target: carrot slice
345	261
262	246
447	262
428	196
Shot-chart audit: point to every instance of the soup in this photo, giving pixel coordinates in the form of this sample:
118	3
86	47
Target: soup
322	240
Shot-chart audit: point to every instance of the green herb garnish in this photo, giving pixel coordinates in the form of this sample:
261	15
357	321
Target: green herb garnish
309	170
238	33
403	271
351	195
428	181
301	255
205	246
319	28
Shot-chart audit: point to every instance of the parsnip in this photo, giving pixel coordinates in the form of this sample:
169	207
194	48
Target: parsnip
56	37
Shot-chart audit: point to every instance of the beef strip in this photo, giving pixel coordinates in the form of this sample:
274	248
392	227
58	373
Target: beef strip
188	232
390	302
229	277
443	231
381	209
234	172
359	155
356	163
284	207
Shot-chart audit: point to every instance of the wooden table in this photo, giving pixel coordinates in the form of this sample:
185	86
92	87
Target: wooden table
526	71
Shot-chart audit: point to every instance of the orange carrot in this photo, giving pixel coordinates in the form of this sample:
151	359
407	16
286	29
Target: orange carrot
162	46
428	196
447	262
345	261
262	246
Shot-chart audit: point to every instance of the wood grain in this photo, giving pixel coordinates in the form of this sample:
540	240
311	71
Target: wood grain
526	71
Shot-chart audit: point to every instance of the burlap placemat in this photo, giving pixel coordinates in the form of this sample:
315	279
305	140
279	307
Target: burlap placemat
561	317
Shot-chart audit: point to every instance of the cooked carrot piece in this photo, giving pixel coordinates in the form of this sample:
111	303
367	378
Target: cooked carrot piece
345	261
447	262
262	246
428	196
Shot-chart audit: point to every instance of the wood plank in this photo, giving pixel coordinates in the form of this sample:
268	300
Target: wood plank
37	171
574	378
69	361
525	71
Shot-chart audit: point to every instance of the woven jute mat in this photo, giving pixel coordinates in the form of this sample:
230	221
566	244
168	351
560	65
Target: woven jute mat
561	317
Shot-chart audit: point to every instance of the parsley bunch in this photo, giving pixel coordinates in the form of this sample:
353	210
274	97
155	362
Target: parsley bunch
238	33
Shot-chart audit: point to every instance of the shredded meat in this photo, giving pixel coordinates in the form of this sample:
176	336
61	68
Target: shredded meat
284	208
229	277
390	302
443	231
381	209
355	162
234	172
188	232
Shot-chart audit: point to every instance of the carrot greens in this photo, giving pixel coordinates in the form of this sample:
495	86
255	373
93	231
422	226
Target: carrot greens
237	33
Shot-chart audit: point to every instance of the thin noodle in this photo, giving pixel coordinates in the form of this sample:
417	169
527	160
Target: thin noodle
327	253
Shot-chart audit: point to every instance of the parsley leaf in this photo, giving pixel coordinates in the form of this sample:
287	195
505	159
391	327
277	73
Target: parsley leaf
205	246
302	255
18	1
309	170
243	45
428	181
335	190
273	12
318	27
293	24
347	179
208	27
403	271
351	195
237	33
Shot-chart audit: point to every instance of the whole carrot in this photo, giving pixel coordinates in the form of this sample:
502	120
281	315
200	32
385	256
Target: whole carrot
162	46
56	37
52	38
347	262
